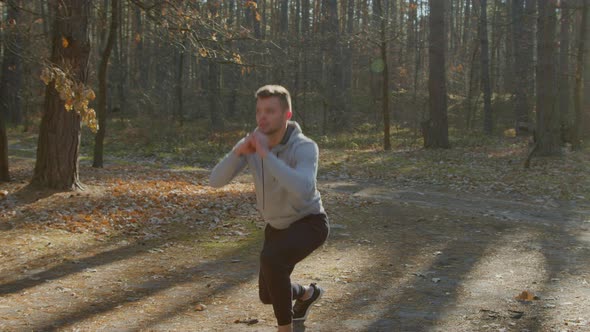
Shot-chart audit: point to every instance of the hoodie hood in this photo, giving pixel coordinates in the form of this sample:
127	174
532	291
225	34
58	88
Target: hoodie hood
293	129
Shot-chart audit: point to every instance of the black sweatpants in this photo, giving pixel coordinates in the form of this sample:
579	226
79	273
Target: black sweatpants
283	248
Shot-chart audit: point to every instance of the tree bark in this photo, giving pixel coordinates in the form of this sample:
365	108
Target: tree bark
581	59
334	85
520	97
101	111
564	74
4	172
547	116
436	128
385	89
485	69
585	115
59	137
12	67
141	60
121	69
214	84
284	21
179	82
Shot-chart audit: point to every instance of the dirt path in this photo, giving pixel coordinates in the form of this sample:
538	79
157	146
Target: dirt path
397	260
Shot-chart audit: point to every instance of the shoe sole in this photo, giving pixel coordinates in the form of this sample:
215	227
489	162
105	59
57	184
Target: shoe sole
308	308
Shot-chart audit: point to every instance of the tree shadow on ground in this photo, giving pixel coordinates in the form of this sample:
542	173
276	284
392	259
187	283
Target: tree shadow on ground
152	288
566	251
420	298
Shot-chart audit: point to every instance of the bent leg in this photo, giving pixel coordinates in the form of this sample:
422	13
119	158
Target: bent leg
282	250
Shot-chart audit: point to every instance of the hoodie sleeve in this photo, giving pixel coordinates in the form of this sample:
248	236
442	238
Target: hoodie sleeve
227	169
301	179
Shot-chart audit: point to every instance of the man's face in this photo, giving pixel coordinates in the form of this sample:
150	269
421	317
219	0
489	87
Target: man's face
270	115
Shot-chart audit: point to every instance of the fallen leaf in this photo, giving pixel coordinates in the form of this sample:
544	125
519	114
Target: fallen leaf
526	296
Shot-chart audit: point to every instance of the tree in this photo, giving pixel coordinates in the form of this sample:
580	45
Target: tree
385	86
581	59
4	174
585	110
334	79
59	136
12	67
102	86
214	81
521	104
548	140
435	130
564	70
485	69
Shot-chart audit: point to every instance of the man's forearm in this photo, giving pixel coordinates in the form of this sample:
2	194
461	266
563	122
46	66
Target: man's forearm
299	180
226	169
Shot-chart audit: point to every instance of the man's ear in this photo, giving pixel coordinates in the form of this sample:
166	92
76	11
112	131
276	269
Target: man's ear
289	114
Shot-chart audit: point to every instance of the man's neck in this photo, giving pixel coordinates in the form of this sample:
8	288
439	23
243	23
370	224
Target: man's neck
276	138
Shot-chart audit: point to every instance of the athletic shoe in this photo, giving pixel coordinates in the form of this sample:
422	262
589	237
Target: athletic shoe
301	308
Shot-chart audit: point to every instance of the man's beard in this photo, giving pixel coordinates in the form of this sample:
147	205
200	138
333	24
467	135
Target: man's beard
271	131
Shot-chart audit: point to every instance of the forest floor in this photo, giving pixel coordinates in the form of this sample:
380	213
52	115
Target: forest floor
459	240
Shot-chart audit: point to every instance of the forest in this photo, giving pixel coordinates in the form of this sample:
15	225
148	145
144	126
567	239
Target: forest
440	69
453	161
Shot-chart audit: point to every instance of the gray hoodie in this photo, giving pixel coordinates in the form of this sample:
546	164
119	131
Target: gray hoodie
285	179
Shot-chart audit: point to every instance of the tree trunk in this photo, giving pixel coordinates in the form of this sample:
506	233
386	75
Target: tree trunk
385	89
101	111
585	115
140	71
580	82
411	29
59	136
528	68
347	65
417	52
305	19
471	78
12	68
121	69
509	57
466	28
334	85
547	116
284	21
468	54
375	65
520	92
179	82
436	128
251	21
214	83
564	75
4	173
42	4
485	69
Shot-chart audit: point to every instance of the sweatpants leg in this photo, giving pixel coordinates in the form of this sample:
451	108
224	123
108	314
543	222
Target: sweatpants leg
297	290
283	249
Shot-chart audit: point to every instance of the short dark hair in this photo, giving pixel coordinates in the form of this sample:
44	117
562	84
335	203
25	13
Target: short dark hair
275	91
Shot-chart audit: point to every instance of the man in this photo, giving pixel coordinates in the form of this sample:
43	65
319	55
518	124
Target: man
284	165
